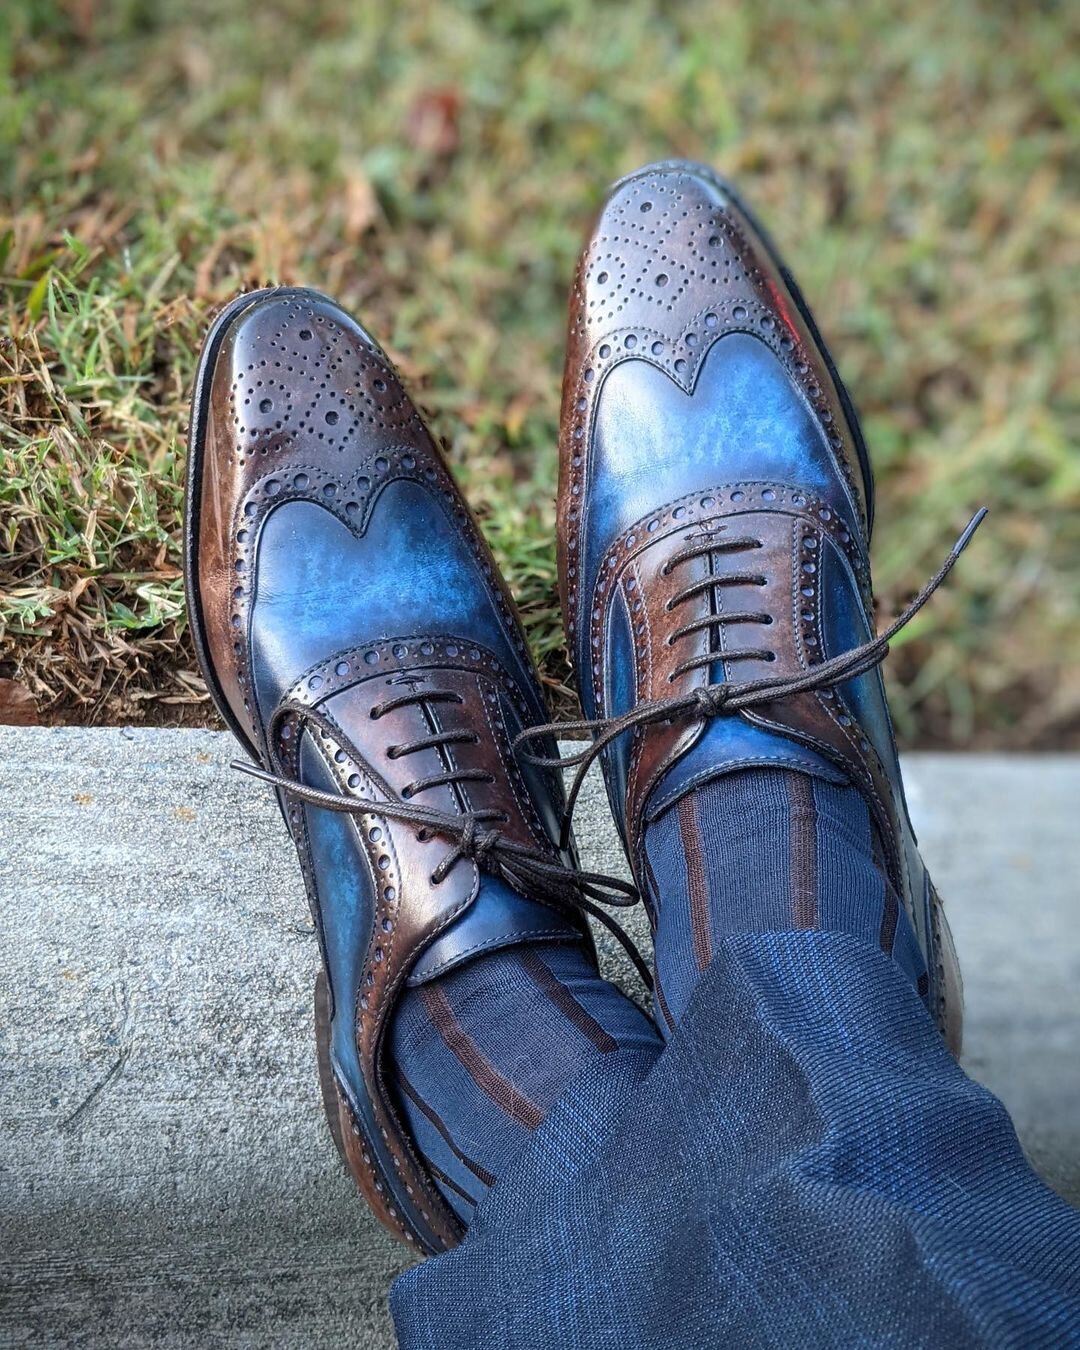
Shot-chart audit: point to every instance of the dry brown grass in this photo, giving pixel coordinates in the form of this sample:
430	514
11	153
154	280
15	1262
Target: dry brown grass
433	165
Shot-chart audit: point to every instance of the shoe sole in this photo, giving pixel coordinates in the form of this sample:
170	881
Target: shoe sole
327	1082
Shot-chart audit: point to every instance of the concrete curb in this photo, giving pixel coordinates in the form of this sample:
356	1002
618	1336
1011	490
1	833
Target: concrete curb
167	1175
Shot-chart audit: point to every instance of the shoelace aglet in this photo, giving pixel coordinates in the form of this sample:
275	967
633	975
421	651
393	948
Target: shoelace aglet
969	530
250	768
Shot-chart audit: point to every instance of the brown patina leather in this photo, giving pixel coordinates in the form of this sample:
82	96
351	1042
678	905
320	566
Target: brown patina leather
673	264
647	576
294	402
411	911
721	279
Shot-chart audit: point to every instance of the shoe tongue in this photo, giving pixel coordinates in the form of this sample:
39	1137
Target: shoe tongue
498	917
729	744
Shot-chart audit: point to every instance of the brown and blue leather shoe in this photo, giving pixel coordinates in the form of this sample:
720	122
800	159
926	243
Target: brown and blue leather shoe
355	636
715	507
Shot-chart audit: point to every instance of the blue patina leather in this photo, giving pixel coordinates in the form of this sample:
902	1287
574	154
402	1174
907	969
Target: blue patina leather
714	515
355	634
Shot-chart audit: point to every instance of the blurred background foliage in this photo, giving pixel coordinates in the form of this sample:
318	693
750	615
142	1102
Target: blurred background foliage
434	165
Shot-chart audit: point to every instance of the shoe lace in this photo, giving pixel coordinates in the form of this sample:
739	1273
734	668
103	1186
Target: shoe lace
471	834
705	545
711	700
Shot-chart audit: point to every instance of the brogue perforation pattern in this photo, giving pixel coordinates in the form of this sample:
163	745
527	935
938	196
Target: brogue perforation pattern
374	660
629	262
279	401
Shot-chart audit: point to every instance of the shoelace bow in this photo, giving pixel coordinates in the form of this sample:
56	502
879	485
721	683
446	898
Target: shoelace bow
471	835
710	700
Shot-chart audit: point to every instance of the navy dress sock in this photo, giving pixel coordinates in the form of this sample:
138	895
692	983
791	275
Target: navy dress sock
482	1054
767	850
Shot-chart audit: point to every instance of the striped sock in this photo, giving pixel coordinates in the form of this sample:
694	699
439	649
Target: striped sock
484	1052
768	850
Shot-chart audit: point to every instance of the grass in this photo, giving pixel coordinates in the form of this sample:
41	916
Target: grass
433	165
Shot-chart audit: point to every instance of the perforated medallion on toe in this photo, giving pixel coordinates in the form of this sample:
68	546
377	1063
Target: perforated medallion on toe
715	502
354	633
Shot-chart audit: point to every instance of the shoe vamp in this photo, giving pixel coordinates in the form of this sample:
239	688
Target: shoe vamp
321	586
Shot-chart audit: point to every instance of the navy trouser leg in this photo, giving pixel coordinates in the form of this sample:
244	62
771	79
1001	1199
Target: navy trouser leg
804	1162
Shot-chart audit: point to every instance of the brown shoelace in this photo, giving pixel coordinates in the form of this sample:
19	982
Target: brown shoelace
471	835
711	700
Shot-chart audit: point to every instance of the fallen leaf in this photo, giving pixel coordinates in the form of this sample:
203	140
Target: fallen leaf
82	16
361	206
432	124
